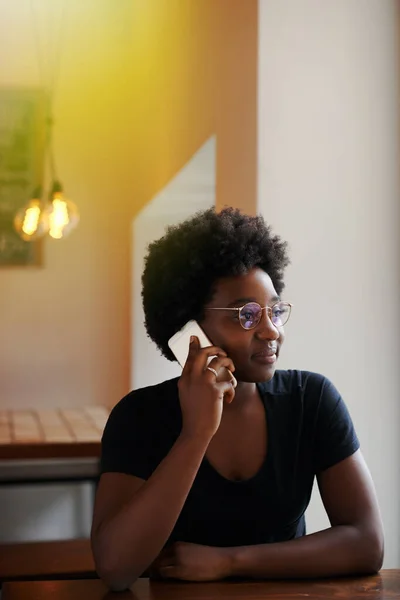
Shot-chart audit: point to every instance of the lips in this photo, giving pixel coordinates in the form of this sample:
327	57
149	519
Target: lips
267	352
267	356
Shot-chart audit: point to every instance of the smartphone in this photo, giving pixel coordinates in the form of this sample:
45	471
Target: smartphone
179	344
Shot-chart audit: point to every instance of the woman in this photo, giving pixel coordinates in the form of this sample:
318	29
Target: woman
202	480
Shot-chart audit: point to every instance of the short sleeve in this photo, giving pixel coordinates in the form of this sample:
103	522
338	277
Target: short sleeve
126	443
335	436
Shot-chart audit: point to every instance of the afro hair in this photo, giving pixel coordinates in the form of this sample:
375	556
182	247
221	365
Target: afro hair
182	267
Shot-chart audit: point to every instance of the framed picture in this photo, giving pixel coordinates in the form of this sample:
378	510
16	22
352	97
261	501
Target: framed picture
22	142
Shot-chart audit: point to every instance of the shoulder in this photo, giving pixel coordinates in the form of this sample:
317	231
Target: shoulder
146	404
312	393
147	397
291	381
308	405
140	430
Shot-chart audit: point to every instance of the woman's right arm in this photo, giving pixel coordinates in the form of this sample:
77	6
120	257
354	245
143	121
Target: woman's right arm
134	518
126	543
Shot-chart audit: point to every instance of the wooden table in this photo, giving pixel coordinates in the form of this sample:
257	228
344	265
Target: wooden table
62	559
45	445
385	586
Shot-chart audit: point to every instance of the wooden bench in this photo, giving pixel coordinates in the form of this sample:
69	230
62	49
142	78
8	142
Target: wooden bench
66	559
49	446
57	433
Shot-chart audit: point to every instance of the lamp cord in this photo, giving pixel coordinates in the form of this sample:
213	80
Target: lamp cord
49	76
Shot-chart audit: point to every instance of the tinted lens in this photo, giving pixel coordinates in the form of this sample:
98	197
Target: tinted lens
280	313
250	315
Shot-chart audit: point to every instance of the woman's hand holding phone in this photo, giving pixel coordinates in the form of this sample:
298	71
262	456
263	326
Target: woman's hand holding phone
201	395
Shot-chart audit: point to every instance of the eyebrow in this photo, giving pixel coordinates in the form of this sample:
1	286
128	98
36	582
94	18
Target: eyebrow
243	301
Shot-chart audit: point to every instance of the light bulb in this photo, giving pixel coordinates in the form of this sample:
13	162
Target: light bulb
63	216
31	222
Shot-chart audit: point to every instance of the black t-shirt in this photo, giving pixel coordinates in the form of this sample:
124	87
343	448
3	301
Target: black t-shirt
309	430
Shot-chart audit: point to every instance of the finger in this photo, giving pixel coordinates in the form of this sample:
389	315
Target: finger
162	561
225	375
166	556
222	371
219	362
228	390
170	572
165	562
203	356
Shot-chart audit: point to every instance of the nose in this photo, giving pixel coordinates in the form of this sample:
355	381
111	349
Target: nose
266	330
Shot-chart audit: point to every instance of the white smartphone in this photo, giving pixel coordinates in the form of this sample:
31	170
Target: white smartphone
179	344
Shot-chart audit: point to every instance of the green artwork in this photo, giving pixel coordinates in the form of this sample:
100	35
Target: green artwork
22	130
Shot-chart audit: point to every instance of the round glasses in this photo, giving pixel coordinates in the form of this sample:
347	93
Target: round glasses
250	314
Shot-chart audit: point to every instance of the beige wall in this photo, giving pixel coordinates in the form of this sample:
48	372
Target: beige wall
141	86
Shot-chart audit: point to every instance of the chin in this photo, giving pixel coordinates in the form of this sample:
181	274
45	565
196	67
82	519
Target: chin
263	372
257	374
268	374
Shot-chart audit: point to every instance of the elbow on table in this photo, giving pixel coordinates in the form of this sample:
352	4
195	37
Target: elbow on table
375	562
372	547
114	579
109	569
117	586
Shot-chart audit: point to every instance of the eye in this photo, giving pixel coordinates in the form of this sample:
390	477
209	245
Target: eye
248	314
280	314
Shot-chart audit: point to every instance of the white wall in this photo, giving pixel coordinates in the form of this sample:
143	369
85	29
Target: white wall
329	184
45	511
191	190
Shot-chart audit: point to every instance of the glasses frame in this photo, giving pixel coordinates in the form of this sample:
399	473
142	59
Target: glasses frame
269	310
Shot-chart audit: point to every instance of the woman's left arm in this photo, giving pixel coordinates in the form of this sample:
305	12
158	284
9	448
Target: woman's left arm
352	545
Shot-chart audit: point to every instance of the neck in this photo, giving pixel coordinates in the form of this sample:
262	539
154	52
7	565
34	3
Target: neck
245	392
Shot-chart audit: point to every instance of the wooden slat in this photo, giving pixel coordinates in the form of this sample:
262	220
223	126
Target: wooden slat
26	427
80	425
61	433
53	426
98	415
5	429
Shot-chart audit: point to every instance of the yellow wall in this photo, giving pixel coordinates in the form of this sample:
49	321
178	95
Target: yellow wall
142	84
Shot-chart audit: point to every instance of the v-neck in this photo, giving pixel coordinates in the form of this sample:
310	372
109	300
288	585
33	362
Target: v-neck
210	467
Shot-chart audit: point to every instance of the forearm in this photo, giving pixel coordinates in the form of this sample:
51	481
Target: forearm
129	541
340	550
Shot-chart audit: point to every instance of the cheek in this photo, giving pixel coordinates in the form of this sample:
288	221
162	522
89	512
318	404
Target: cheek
240	350
229	336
